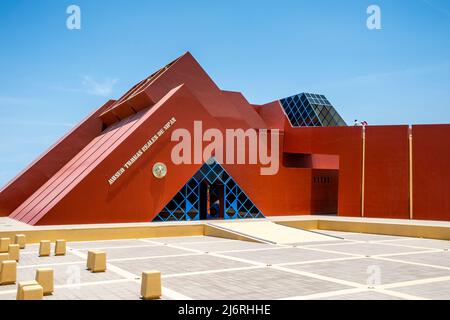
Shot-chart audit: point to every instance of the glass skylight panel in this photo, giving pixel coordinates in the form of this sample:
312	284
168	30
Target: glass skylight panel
309	109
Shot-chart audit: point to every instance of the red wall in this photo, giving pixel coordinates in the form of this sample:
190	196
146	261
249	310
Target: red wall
346	142
431	172
286	193
387	172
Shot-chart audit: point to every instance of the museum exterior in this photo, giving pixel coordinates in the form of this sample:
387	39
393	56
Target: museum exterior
117	165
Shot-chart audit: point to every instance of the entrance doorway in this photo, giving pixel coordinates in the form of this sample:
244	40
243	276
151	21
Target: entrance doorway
210	194
212	200
324	192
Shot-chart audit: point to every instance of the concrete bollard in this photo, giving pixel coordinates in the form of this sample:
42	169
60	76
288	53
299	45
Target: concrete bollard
60	247
4	256
34	292
8	272
19	295
151	285
21	240
98	262
4	243
44	276
14	252
44	248
90	259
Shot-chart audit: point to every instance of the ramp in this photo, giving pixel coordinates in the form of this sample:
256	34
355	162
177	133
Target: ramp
269	232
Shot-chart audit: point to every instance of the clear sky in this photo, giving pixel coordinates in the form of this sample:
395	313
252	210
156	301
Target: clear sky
52	77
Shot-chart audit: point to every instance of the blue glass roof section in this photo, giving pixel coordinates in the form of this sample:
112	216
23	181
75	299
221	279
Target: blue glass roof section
311	110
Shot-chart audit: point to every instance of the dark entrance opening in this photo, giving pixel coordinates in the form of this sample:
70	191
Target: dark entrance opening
203	200
211	200
324	192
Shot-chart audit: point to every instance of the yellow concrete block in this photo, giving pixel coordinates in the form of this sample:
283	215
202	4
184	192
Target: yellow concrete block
98	261
14	252
22	284
34	292
60	248
4	243
4	256
8	272
90	259
44	248
44	276
151	285
21	240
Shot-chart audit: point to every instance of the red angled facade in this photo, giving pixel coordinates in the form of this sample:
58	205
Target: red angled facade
103	171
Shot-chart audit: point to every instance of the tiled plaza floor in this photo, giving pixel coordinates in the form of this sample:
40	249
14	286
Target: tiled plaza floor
361	266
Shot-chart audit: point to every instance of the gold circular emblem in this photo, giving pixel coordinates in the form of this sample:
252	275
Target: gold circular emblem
159	170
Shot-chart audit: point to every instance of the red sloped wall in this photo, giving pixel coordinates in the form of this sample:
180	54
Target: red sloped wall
137	196
42	169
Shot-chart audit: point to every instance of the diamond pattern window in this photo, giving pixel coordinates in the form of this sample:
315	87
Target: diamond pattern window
187	203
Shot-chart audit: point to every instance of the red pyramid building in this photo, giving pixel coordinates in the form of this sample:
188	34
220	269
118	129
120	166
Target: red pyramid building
324	164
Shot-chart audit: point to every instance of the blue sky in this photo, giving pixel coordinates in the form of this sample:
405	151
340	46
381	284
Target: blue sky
52	77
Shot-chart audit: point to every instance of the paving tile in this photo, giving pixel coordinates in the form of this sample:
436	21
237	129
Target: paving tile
319	243
361	236
104	244
364	270
369	249
34	259
68	274
174	265
434	258
265	283
147	251
176	240
33	248
426	243
64	275
434	291
225	246
366	295
112	291
128	290
371	237
285	255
